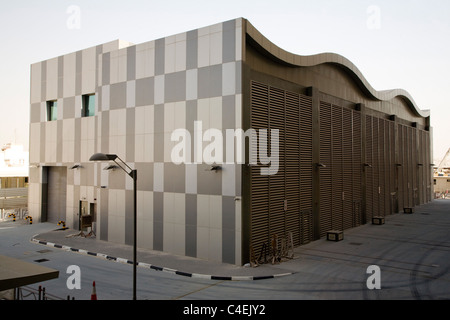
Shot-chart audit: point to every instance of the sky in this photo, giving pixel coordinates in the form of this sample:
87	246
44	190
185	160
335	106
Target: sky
395	44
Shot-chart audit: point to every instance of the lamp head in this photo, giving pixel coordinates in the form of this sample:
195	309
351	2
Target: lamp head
103	157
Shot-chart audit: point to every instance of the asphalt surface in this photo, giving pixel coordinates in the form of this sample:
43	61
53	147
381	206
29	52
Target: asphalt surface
412	252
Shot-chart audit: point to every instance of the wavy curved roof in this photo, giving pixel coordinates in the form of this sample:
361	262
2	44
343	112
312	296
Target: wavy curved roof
295	60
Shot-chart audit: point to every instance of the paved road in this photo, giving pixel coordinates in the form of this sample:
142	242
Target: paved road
411	253
113	280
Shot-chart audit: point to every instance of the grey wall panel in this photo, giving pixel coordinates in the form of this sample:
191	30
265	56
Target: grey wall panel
145	91
129	217
56	193
192	49
103	234
159	56
131	63
229	41
118	96
158	221
191	225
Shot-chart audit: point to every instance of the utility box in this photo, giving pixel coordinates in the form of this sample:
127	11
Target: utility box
335	235
378	220
408	210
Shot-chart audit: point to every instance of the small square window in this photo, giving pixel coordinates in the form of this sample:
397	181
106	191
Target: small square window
52	110
88	108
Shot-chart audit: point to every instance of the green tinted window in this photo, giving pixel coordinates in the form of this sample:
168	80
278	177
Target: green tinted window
88	109
52	110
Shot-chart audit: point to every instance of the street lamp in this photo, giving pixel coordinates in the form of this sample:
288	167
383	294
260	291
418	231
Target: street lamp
133	174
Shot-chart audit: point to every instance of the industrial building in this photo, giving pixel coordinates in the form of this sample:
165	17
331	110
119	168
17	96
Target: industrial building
341	151
441	178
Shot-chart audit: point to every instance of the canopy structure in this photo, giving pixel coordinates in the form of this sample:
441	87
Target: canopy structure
15	273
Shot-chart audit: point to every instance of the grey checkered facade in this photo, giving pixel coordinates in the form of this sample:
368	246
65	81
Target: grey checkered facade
143	93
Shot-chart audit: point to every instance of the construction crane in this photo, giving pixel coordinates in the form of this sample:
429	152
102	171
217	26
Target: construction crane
441	164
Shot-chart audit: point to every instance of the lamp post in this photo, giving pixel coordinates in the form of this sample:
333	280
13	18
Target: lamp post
133	174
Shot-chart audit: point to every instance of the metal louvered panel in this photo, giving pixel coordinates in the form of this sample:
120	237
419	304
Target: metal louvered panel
399	168
292	167
369	172
306	169
381	168
376	167
277	181
357	167
259	183
385	163
340	179
306	146
384	167
392	170
260	209
409	172
336	168
347	169
325	176
406	174
380	171
405	165
421	180
422	168
415	167
306	226
276	200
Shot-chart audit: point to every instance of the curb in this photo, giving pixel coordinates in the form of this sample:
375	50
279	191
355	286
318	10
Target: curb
157	268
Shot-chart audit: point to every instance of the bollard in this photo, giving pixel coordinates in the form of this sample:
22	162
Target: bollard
63	223
30	219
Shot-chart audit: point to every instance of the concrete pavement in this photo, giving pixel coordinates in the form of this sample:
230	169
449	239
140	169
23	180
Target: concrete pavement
412	251
417	243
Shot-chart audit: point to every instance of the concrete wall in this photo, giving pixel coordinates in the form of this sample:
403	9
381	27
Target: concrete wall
143	93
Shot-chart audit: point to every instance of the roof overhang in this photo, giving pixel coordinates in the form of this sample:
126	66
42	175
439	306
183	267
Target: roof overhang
284	57
15	273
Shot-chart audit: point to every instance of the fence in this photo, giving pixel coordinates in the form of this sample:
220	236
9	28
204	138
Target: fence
28	293
15	198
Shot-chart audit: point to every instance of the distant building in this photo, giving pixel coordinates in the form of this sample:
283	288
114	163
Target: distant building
341	151
14	167
442	186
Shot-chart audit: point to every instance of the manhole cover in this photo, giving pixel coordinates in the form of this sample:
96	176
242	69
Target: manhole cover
41	260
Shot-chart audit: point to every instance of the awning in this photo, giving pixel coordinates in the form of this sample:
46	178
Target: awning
15	273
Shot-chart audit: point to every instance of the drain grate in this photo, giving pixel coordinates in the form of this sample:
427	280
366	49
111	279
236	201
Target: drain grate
355	243
41	260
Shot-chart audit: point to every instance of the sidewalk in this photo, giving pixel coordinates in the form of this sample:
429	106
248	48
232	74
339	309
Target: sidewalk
159	261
